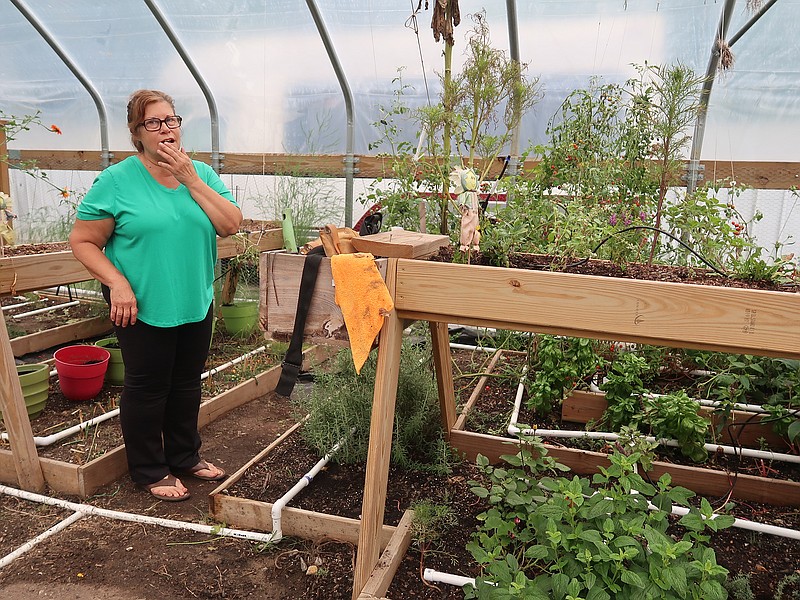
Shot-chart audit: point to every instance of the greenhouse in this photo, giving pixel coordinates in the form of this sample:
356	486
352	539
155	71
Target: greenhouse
432	299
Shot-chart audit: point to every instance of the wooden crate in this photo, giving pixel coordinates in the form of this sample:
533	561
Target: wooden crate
280	275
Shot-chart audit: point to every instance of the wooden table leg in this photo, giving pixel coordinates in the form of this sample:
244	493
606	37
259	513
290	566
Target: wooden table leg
380	442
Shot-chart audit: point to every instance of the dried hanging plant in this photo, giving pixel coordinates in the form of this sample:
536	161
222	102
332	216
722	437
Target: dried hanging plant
725	55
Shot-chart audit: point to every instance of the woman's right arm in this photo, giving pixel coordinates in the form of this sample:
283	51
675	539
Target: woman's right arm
87	240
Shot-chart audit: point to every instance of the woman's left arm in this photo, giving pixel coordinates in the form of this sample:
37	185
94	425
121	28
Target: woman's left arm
223	214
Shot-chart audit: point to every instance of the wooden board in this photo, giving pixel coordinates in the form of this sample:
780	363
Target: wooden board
401	244
280	275
27	273
757	174
42	340
660	313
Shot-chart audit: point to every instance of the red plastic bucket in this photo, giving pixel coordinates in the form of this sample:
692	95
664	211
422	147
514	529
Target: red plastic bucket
81	371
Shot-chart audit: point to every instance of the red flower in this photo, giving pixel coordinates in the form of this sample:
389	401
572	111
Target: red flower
55	129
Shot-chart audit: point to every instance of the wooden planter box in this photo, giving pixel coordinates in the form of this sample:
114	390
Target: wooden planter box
22	466
83	480
279	275
658	313
581	407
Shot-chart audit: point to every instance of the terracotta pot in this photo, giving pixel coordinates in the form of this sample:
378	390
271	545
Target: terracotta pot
81	370
115	375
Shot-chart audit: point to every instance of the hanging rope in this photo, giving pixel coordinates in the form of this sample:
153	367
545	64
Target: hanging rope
413	25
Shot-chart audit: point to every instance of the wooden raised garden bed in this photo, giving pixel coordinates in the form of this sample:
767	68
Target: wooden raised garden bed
22	466
672	314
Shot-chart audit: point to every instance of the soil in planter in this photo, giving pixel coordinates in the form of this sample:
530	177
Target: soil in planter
766	560
51	319
605	268
61	413
338	490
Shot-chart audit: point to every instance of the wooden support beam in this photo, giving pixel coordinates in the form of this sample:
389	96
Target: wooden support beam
443	365
15	418
735	320
756	174
381	578
380	440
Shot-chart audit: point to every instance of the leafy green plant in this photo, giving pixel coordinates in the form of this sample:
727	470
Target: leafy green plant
558	366
549	537
624	389
675	415
341	402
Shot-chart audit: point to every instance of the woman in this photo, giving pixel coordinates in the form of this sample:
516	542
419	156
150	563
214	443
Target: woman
157	215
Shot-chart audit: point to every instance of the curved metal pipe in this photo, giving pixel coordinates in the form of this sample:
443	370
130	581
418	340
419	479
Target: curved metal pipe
349	160
216	163
105	155
513	44
700	125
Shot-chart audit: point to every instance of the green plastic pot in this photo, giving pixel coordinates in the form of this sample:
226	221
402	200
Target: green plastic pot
240	318
115	375
35	382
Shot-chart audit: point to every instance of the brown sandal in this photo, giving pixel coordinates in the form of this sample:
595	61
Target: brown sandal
168	481
203	466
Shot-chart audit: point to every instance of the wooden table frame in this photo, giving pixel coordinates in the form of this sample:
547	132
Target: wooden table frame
671	314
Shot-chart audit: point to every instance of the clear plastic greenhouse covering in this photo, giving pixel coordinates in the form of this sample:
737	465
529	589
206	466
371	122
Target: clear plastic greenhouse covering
276	90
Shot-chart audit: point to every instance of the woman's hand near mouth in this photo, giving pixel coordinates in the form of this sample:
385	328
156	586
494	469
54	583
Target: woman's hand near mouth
177	162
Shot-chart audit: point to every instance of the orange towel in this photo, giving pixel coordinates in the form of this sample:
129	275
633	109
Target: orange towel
364	299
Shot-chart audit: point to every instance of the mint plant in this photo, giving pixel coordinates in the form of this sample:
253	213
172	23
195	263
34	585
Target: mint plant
546	537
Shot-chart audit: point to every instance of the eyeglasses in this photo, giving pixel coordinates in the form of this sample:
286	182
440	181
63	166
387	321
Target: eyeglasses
173	122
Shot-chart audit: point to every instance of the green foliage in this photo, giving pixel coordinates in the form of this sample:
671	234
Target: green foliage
559	365
431	520
568	539
341	402
710	225
624	389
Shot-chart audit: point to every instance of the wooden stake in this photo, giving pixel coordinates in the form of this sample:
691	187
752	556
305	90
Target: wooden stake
443	364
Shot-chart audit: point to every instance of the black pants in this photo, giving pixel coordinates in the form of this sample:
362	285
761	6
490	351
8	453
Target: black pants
161	397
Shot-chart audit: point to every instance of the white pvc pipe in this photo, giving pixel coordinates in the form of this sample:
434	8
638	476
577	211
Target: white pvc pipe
468	347
513	429
277	508
46	309
88	509
65	433
441	577
20	305
11	557
235	361
756	408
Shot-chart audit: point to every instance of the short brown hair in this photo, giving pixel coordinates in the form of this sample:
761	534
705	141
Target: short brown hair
137	104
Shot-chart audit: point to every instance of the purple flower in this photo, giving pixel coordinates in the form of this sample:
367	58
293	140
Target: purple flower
642	216
613	219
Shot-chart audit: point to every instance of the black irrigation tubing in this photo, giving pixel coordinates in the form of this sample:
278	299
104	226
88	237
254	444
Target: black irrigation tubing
635	227
738	446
